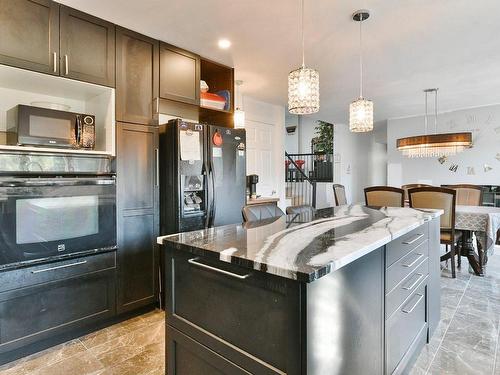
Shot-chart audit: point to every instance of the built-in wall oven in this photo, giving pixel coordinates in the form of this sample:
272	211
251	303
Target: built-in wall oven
45	216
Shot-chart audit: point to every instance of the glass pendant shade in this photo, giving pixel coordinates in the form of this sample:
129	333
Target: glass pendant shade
361	116
239	118
303	91
434	145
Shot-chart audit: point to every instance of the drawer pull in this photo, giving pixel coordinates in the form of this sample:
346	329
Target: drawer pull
414	239
420	275
414	262
414	305
59	267
235	275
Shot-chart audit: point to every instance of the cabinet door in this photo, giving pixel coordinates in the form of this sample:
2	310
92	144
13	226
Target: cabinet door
179	75
87	48
29	34
137	188
137	70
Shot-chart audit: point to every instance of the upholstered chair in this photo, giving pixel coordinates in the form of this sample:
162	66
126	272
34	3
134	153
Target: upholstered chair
339	194
444	199
255	212
467	195
411	186
384	196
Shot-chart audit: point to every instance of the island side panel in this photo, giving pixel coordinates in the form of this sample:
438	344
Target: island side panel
434	287
345	319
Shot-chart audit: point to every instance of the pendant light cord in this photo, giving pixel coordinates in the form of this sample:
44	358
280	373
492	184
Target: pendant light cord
302	26
436	109
425	118
360	56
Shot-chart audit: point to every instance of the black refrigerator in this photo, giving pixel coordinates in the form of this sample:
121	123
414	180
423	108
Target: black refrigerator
202	176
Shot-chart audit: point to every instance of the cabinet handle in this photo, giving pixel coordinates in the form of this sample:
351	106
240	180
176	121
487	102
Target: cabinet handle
59	267
420	275
157	105
415	261
235	275
414	239
66	64
54	61
157	166
414	305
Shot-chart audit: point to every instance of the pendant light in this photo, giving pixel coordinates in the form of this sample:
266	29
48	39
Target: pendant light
239	114
434	145
303	84
361	109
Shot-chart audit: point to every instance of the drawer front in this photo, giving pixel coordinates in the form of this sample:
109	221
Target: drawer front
188	357
256	312
401	246
404	266
406	287
35	313
43	273
404	326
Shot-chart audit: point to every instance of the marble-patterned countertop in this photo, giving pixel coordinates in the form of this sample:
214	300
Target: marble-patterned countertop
303	247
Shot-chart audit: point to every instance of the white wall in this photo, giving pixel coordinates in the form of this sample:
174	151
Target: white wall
484	122
265	126
292	140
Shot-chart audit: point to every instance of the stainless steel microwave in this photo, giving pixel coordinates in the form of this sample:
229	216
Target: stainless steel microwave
35	126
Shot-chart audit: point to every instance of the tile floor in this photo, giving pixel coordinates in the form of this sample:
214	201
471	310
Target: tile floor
466	340
133	347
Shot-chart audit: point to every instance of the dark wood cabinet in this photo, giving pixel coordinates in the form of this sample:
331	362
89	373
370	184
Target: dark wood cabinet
29	35
87	47
137	74
137	219
179	75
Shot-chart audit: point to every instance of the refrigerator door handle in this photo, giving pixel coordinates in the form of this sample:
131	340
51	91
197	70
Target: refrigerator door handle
210	195
214	201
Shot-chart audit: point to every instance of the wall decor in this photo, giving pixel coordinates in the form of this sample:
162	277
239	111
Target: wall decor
453	167
442	159
471	171
498	156
487	168
497	130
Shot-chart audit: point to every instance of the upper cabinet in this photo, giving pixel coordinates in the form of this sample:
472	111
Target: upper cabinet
44	36
29	35
87	47
137	71
179	75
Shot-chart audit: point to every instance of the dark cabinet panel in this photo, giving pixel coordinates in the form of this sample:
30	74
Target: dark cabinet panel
29	34
87	47
137	72
179	75
31	314
137	200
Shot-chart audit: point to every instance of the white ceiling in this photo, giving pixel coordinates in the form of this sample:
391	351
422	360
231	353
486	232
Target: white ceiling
409	45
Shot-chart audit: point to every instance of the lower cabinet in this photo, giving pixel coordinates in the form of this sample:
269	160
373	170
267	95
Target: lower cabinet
56	298
137	215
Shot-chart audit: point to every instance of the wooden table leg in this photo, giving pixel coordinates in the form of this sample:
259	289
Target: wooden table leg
467	249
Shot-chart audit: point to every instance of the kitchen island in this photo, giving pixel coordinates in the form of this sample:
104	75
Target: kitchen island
349	290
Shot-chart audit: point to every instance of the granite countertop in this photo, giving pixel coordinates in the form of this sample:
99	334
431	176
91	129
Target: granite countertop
303	247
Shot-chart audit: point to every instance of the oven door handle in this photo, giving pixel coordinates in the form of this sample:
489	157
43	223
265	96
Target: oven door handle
57	182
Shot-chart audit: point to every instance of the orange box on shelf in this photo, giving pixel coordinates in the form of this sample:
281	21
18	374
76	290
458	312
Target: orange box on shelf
210	100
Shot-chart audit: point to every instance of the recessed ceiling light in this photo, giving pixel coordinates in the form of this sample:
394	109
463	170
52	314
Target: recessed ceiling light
224	43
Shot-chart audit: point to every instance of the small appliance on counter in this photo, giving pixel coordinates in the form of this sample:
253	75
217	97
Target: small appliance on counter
252	181
36	126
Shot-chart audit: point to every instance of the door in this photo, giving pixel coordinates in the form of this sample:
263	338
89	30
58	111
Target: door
260	158
137	70
137	200
179	75
29	31
227	174
87	48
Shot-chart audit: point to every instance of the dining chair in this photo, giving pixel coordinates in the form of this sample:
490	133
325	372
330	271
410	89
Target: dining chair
467	195
301	209
444	199
256	212
384	196
339	194
411	186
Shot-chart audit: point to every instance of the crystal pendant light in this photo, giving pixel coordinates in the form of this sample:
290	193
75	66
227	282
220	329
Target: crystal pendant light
303	85
361	109
434	145
239	114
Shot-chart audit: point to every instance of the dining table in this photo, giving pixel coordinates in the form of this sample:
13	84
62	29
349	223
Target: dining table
483	223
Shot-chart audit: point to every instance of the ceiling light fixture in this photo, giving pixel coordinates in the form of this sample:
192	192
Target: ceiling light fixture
239	114
434	145
224	43
361	109
303	84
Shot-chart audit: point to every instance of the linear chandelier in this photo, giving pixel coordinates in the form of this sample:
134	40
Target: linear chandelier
434	145
303	84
